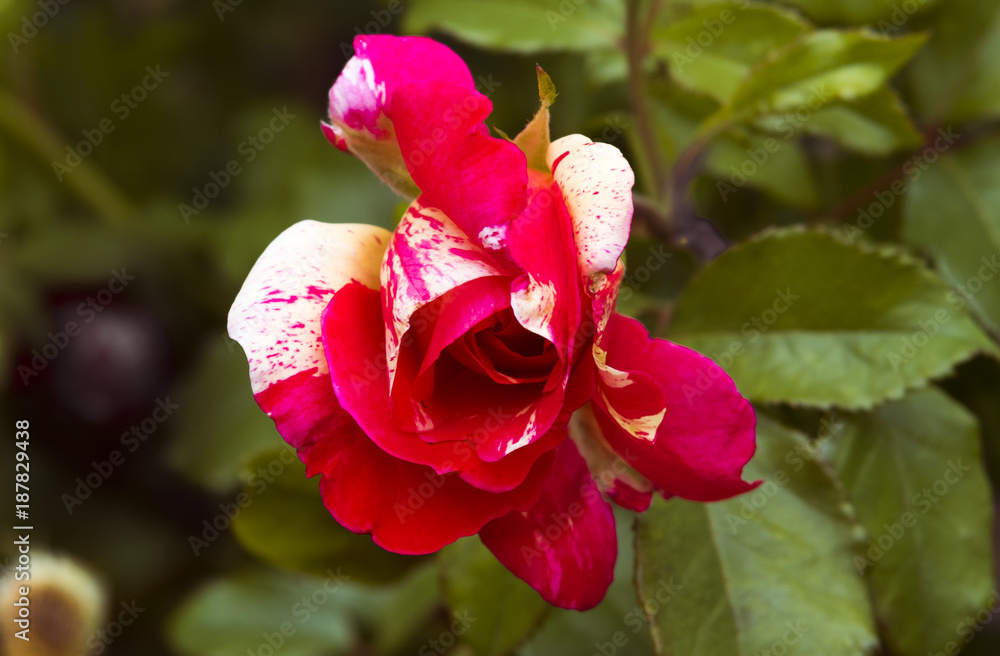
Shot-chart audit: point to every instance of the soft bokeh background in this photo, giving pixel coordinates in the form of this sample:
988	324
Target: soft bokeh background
228	68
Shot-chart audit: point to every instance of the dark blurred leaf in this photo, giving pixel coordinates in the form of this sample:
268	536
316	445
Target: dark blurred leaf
914	471
809	320
505	609
820	68
222	427
953	211
875	125
859	12
294	616
522	25
404	612
285	523
769	572
775	165
955	78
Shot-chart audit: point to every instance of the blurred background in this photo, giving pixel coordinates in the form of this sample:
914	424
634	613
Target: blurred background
149	151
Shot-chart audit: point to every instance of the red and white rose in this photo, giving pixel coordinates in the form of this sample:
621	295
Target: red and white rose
429	374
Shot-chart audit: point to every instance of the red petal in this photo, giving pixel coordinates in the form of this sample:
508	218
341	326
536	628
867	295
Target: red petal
407	508
479	181
383	63
565	545
706	436
353	336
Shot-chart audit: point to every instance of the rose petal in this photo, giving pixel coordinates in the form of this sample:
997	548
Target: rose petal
478	181
407	508
276	316
361	99
546	297
614	473
596	183
706	435
353	337
565	545
381	64
428	257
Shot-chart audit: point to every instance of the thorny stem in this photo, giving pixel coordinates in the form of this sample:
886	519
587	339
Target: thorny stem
89	183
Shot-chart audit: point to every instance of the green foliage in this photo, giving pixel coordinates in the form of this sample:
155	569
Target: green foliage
223	427
771	570
955	78
819	68
505	608
884	13
522	25
825	323
305	617
309	540
841	155
963	186
929	501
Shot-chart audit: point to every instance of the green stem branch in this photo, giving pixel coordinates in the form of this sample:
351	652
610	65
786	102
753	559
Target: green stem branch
88	182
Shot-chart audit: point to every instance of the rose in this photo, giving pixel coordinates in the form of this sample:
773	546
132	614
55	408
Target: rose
429	375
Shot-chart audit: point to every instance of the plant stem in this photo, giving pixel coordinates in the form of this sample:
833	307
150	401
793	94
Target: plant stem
636	46
86	180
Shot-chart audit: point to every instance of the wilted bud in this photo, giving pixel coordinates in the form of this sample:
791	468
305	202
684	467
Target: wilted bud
52	613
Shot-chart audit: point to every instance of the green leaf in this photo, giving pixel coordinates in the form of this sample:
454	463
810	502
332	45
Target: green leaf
777	166
616	625
534	140
797	316
505	609
712	48
768	572
914	471
522	25
953	211
889	15
231	616
876	125
820	68
222	426
955	78
278	494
